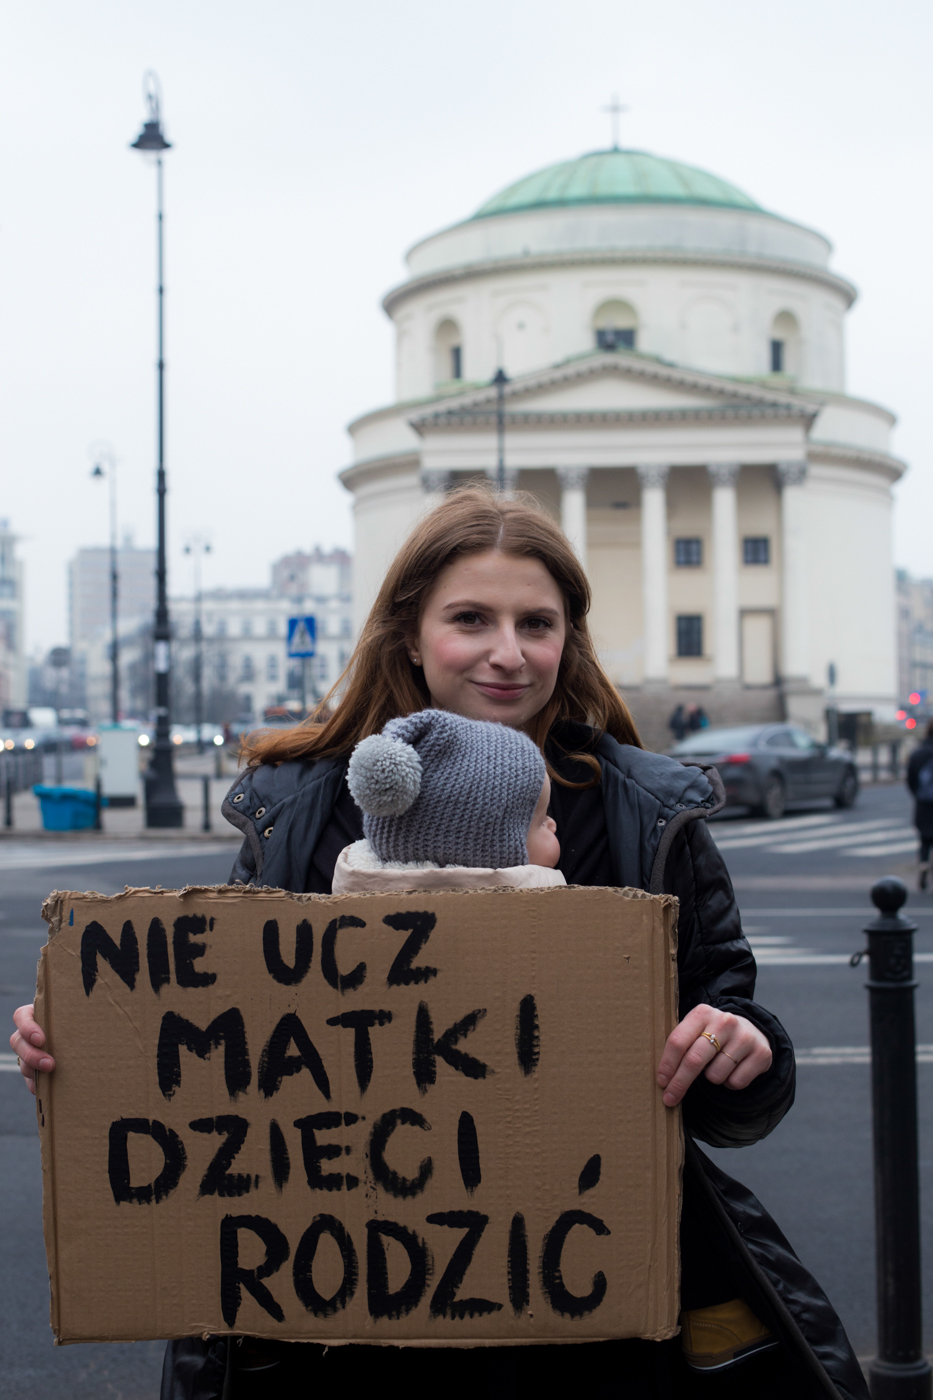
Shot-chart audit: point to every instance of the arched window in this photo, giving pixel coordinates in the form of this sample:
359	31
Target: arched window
784	348
615	325
448	352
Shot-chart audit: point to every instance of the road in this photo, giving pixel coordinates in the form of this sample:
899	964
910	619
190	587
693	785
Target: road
802	884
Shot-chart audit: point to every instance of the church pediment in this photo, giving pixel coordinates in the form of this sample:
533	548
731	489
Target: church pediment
613	387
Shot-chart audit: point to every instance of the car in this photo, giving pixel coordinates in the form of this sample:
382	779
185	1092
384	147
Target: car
768	766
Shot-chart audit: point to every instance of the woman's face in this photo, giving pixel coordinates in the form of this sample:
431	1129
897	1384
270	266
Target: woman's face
491	637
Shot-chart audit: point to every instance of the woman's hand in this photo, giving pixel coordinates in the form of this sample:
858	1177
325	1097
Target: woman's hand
743	1052
27	1042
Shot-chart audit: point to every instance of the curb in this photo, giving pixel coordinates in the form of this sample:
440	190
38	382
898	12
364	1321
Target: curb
92	838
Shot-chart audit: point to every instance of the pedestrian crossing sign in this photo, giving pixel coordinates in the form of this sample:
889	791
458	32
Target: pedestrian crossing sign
301	634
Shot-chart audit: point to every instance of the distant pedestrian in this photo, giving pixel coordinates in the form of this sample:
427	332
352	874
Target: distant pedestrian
677	723
697	718
920	782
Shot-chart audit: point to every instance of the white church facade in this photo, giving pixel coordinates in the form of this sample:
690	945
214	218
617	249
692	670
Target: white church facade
676	398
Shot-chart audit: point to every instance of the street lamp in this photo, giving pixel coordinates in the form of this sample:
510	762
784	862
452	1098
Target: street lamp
105	466
500	380
163	807
197	547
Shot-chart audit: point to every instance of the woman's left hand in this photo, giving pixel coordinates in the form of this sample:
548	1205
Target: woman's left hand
727	1048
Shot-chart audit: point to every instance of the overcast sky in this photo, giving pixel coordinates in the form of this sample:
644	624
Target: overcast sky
314	143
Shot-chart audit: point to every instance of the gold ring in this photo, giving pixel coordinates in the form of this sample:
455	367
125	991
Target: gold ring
713	1041
728	1056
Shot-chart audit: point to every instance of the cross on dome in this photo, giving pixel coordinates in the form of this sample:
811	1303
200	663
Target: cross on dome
615	108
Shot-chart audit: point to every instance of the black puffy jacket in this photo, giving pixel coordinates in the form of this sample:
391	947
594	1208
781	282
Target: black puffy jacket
653	808
923	809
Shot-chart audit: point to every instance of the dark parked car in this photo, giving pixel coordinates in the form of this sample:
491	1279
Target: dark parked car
766	766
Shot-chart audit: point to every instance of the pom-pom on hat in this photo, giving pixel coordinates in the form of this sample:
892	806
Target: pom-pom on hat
435	786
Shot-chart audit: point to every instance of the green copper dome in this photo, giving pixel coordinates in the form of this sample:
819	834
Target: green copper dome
616	177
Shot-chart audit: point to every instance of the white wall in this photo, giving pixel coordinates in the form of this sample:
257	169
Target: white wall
717	319
855	422
689	229
851	584
386	503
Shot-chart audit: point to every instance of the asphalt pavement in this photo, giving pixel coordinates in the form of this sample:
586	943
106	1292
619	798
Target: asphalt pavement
803	886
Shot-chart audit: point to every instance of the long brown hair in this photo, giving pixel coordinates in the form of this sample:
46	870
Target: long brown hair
381	682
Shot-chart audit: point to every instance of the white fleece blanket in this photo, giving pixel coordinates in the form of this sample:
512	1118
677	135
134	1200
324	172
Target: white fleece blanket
360	871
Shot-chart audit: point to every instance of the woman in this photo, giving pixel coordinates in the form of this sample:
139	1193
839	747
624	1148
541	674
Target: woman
484	613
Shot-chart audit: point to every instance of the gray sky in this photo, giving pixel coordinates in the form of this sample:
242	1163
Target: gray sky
313	144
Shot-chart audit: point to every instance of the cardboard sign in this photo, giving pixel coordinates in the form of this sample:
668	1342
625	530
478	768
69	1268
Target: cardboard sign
410	1119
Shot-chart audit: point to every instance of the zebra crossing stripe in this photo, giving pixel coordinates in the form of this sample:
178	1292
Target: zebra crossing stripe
846	836
800	957
829	831
773	832
900	848
785	823
851	1055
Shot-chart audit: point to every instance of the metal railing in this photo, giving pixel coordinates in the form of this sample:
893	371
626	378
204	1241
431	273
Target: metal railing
18	772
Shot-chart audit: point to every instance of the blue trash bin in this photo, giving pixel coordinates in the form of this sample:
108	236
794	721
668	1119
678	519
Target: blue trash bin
67	808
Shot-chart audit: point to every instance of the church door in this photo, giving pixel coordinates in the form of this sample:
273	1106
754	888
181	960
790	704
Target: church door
758	648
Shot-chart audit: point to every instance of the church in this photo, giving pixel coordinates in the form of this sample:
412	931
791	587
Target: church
674	363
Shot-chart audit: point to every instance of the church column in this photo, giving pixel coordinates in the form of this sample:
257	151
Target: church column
654	571
795	650
725	571
573	507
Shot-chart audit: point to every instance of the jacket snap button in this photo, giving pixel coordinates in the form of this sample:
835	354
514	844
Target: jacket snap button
661	821
260	812
268	831
239	797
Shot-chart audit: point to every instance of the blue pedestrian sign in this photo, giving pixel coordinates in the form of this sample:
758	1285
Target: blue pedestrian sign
301	634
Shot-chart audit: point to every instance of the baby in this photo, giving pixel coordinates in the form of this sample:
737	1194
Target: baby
449	803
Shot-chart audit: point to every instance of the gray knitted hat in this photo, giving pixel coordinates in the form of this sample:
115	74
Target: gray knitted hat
434	786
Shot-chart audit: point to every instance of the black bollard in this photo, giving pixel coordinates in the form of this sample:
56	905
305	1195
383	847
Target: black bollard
7	795
206	799
98	804
900	1371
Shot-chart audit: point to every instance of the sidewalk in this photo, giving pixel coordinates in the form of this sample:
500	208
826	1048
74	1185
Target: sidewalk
128	823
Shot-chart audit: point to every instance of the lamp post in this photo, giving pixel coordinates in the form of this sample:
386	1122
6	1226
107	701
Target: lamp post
197	547
500	379
105	466
163	807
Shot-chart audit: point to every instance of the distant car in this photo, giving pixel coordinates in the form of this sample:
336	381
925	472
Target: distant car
188	733
767	766
79	736
45	740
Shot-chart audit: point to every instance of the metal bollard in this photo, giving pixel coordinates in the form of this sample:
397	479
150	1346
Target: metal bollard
899	1371
98	804
206	798
7	796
